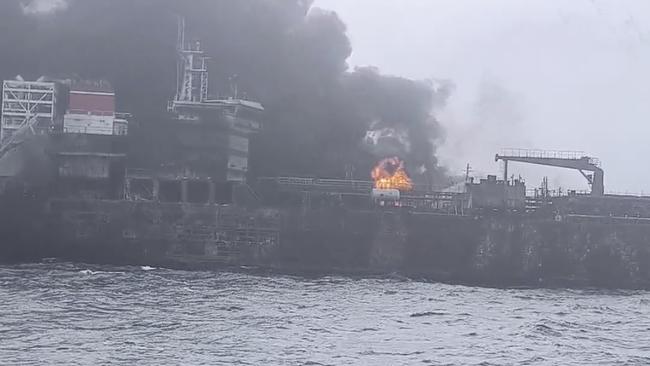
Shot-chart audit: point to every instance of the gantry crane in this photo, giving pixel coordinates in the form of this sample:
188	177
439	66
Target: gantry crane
561	159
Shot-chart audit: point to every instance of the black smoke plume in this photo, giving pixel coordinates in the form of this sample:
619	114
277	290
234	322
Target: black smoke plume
320	117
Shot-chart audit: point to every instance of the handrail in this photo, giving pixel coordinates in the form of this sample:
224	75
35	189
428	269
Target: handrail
548	154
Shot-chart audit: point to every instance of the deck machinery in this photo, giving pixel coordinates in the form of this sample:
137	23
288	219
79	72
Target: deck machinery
561	159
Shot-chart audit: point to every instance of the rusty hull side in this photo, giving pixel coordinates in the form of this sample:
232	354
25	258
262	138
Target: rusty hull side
494	250
172	234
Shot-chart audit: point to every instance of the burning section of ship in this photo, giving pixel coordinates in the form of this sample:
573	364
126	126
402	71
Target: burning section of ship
391	174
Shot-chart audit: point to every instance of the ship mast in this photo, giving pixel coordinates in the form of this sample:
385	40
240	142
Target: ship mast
192	71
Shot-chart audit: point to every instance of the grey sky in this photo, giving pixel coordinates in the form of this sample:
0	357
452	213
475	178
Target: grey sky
551	74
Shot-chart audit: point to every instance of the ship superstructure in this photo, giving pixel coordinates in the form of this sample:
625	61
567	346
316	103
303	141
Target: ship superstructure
235	119
207	140
69	131
192	205
91	110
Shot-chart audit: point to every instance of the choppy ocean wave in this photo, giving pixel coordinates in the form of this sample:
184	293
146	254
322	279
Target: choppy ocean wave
71	314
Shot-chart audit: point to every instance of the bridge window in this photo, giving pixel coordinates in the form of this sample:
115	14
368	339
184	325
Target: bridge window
198	192
170	191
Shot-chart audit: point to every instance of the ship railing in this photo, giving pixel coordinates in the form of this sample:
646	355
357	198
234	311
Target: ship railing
606	219
123	116
316	183
86	112
116	115
538	193
420	192
546	154
555	193
429	196
139	173
93	130
350	184
641	194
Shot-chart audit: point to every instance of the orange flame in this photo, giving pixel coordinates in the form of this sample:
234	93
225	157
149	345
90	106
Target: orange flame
390	174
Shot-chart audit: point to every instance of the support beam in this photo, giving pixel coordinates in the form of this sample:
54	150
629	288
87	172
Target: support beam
184	191
156	189
212	193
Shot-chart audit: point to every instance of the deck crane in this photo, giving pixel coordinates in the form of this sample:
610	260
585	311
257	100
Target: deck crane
561	159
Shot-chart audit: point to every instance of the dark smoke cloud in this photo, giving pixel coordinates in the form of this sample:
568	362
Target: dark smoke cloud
284	53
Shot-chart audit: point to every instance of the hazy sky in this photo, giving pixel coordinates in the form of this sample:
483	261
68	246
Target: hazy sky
548	74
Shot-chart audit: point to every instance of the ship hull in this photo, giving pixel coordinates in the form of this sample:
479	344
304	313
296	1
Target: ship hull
498	249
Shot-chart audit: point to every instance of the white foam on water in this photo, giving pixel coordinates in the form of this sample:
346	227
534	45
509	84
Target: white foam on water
89	272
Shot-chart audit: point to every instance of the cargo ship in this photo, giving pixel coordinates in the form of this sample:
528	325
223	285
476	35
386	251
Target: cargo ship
72	190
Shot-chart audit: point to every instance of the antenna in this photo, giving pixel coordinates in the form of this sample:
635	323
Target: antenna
180	63
192	70
233	86
467	171
181	33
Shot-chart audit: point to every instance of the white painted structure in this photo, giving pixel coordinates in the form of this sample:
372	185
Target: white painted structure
93	113
95	125
385	194
88	124
24	100
121	124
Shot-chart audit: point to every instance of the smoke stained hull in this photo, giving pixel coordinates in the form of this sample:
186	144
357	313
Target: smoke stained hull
26	179
497	250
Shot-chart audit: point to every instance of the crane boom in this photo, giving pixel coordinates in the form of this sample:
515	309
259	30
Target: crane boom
576	161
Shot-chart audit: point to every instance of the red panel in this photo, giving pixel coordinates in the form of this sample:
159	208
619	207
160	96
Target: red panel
93	103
